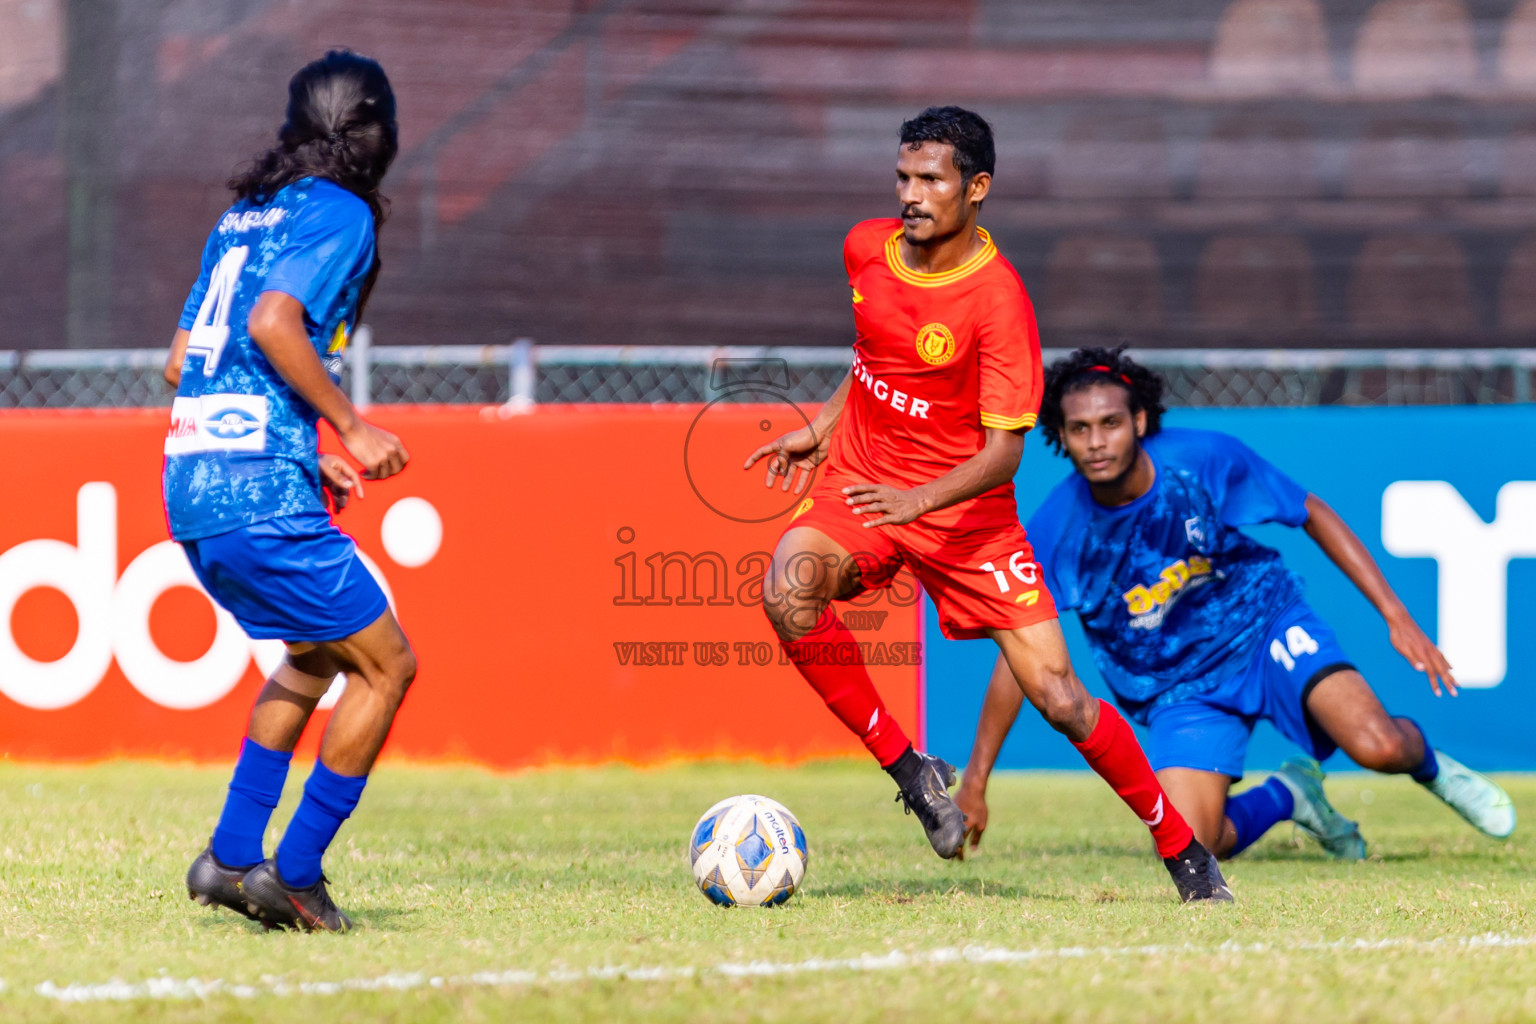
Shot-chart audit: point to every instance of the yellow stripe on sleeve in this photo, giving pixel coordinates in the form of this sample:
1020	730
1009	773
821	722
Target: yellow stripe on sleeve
993	420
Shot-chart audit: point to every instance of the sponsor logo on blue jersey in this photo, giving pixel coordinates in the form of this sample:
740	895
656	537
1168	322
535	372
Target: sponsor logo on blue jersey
218	423
1147	604
231	423
1194	530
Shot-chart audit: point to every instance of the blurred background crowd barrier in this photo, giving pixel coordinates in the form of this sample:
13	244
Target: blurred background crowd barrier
523	375
1210	173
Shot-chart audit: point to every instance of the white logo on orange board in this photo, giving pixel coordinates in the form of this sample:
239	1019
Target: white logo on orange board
113	611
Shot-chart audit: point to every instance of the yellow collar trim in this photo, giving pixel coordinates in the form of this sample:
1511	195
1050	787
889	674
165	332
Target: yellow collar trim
964	270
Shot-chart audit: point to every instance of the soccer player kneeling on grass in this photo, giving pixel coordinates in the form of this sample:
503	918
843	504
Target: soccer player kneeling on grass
257	357
1201	632
921	442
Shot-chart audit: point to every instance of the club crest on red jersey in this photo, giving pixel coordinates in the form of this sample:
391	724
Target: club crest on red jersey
935	344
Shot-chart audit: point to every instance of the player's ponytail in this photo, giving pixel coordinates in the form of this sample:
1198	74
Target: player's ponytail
340	126
1089	366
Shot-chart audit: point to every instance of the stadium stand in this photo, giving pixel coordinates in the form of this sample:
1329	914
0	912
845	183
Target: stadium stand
1258	283
1408	159
1411	282
1415	48
1517	291
1256	157
681	171
1517	49
1271	46
1517	173
1098	281
1111	158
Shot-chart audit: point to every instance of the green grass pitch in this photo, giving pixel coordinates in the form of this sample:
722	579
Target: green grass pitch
485	897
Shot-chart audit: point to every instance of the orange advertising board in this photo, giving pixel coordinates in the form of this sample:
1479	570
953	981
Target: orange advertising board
580	584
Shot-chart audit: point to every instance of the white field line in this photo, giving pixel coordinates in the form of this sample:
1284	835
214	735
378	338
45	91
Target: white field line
166	987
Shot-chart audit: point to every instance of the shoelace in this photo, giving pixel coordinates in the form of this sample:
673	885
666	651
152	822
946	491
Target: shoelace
325	893
321	893
923	809
1202	872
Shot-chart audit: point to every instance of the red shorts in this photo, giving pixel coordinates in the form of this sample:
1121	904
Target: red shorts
981	573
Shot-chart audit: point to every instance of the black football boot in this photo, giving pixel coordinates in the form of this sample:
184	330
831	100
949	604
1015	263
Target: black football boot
927	796
275	902
1196	875
210	881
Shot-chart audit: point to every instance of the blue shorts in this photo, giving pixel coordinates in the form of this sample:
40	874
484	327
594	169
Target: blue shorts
294	578
1209	731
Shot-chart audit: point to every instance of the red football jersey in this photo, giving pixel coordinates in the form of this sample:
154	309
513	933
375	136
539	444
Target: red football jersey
937	359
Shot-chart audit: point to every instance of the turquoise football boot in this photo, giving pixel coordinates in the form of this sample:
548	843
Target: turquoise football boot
1474	796
1314	815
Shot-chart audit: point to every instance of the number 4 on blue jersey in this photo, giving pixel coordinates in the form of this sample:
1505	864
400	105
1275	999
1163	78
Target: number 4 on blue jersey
210	331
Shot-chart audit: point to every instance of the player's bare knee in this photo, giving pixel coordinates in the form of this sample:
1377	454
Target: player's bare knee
389	675
776	608
1067	706
1399	754
1382	750
791	611
793	621
396	673
404	670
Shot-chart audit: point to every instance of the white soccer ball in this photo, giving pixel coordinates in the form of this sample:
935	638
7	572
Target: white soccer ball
748	851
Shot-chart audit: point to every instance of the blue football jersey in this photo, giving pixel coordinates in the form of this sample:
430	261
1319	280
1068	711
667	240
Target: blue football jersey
1172	594
242	445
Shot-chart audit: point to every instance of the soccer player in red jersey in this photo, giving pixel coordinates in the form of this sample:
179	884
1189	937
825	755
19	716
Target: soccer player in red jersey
921	442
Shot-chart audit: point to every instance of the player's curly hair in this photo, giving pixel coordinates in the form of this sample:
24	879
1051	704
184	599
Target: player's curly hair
964	130
1089	366
340	126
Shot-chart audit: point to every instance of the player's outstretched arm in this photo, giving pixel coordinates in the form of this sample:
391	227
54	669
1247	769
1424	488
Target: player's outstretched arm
1341	545
276	325
998	713
174	358
802	449
994	465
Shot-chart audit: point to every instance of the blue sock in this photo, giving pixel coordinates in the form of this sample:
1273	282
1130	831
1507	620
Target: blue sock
253	793
1257	811
1428	769
328	801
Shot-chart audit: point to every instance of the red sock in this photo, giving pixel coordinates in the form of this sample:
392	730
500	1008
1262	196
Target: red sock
1112	751
829	658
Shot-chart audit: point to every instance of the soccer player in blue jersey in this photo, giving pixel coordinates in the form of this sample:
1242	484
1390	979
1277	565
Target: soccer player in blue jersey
256	362
1201	632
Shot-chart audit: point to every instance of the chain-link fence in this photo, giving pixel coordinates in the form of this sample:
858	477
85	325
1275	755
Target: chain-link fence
523	374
